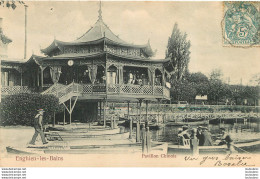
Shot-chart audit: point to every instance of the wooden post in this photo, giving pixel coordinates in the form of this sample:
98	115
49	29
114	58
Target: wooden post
53	119
42	78
144	143
194	146
148	140
100	109
64	117
158	106
115	126
137	131
104	112
146	102
112	122
70	111
138	136
131	121
21	77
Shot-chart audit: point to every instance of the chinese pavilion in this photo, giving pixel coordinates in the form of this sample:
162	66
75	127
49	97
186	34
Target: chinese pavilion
94	69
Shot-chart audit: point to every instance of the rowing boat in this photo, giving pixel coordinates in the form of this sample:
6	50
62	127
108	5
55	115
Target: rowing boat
205	122
64	148
241	147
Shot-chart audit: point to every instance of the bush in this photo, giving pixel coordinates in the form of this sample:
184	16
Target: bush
20	109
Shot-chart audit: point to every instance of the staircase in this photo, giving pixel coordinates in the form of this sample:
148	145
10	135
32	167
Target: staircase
64	92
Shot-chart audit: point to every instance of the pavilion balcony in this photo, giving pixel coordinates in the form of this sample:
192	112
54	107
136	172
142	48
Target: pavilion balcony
124	89
74	89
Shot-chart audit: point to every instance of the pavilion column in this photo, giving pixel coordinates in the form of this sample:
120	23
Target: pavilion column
120	74
151	75
21	71
163	78
42	69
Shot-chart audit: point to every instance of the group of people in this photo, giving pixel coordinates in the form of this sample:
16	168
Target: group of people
204	136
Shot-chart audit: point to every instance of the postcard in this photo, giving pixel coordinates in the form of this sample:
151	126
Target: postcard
130	84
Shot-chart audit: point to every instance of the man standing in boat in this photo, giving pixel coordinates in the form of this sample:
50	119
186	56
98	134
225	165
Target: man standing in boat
38	120
206	137
226	139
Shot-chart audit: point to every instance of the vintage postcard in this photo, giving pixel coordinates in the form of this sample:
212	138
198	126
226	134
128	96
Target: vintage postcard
129	84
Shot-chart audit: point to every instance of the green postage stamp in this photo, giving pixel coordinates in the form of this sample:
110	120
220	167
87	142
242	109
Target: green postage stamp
241	24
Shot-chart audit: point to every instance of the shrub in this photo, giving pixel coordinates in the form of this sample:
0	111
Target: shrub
20	109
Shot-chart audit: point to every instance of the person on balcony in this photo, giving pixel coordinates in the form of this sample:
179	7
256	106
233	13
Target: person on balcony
38	120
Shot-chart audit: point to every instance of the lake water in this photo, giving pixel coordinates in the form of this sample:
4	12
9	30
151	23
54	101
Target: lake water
239	132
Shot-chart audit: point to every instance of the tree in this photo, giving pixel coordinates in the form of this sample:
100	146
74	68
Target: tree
10	3
200	83
178	50
217	89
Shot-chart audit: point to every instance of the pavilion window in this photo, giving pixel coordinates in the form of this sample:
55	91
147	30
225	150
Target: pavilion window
136	76
100	79
47	78
158	77
83	75
55	74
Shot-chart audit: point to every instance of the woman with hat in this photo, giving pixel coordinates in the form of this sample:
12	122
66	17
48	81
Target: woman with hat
38	119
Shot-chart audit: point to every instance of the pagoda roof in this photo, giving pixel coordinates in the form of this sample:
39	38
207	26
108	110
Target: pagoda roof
100	32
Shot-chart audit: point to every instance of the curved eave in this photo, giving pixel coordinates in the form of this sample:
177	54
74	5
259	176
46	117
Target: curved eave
139	59
58	44
81	56
74	56
54	45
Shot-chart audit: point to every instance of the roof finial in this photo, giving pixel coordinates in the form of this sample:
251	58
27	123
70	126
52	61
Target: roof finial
100	12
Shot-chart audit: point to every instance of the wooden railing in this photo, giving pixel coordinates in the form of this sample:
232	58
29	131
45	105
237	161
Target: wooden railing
8	90
62	91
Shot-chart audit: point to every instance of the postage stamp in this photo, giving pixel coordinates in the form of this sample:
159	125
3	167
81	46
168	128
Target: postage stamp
241	24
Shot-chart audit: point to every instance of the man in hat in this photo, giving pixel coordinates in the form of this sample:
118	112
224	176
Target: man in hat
38	119
206	137
199	135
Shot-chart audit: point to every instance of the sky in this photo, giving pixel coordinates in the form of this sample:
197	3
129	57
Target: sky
135	22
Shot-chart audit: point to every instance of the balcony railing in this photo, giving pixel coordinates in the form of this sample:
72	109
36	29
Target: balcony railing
61	91
123	89
7	90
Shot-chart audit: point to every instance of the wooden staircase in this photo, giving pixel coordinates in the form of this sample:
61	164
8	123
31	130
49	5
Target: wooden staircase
64	92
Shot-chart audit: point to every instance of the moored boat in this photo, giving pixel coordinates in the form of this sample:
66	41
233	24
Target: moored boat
241	147
204	122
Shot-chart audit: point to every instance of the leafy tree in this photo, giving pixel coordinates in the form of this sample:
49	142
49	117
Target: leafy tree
200	83
178	50
10	3
217	89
